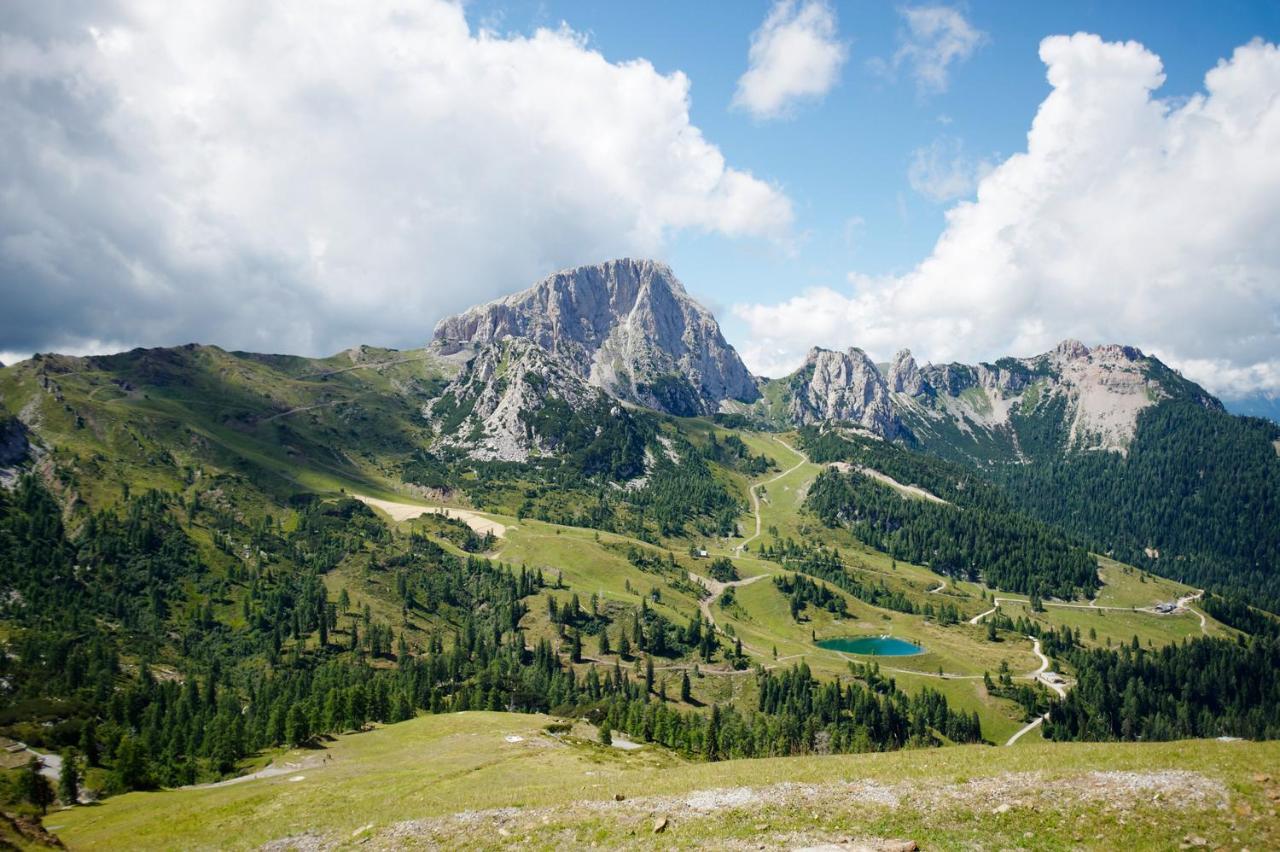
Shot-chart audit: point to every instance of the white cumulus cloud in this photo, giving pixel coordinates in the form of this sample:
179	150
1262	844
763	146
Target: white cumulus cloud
303	175
796	55
1128	219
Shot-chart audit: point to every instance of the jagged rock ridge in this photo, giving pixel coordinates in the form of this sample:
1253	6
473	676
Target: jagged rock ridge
1092	396
843	386
625	326
1097	392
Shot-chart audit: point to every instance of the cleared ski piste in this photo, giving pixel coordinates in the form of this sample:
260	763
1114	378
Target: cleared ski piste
408	511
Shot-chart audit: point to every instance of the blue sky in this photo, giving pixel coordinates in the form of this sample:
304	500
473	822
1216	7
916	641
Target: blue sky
846	158
969	180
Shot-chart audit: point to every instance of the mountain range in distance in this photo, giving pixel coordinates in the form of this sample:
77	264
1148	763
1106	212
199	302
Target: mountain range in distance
629	329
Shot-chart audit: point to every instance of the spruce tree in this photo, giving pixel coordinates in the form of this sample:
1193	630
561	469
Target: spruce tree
34	787
89	743
68	779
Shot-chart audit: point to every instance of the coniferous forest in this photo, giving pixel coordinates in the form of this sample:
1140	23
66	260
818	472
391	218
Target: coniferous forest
217	681
1008	551
1201	688
1188	500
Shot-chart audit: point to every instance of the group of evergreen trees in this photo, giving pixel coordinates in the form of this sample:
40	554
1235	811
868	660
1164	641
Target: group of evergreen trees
1204	687
797	714
678	494
1197	485
1007	550
801	591
829	565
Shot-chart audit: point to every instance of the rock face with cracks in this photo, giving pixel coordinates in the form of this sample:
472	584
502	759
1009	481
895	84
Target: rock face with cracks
1090	397
627	327
843	386
485	409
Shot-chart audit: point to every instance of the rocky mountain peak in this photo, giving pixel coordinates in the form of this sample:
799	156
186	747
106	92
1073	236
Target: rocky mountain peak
626	326
1117	352
844	386
1098	393
1070	350
904	375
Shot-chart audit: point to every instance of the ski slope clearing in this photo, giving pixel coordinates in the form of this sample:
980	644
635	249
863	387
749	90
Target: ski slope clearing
408	511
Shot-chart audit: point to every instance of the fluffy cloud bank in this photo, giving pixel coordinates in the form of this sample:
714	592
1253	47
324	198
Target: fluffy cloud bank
301	175
796	55
1128	219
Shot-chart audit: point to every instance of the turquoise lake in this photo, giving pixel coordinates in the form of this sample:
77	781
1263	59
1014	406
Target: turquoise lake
874	646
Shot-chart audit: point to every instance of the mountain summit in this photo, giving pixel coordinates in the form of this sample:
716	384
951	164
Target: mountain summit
627	327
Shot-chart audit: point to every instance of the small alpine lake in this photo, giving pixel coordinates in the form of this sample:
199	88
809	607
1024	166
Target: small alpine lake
872	646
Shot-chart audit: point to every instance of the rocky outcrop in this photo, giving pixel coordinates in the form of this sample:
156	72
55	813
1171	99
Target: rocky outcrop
1105	388
626	326
842	386
1095	395
905	377
488	409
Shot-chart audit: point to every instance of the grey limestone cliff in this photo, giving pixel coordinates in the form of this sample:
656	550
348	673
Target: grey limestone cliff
625	326
842	386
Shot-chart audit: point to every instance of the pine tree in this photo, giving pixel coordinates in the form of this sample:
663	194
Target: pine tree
69	779
295	726
685	691
89	743
131	767
34	787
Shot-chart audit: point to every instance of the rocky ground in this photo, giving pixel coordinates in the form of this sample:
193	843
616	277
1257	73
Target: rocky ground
1082	810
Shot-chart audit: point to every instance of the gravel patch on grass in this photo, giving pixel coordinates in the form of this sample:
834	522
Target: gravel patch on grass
747	812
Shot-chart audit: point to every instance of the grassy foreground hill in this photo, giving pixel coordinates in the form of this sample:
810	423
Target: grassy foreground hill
485	780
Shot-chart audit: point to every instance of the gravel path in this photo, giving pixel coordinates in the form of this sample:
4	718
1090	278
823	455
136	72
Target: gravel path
755	494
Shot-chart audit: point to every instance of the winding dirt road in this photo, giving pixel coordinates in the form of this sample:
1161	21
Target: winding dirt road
1060	688
716	588
755	494
1183	603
